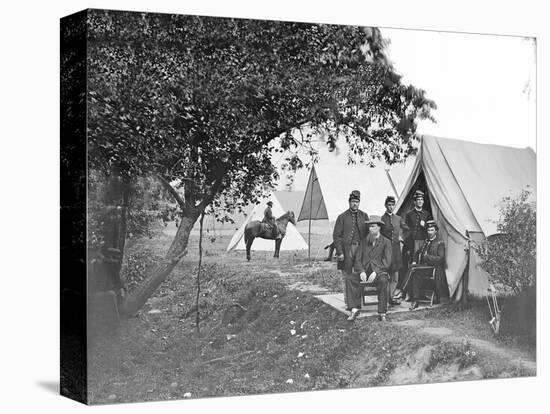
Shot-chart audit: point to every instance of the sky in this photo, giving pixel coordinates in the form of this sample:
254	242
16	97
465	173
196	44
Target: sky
484	87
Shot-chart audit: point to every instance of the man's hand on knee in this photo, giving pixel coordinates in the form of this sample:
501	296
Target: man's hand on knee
372	277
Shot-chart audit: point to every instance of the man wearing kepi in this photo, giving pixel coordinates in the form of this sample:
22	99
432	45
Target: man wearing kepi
372	262
349	229
432	253
270	219
414	229
392	231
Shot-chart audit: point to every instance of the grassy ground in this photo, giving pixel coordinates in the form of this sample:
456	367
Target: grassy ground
259	336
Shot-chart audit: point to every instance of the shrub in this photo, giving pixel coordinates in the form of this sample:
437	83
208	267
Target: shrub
510	257
445	353
136	267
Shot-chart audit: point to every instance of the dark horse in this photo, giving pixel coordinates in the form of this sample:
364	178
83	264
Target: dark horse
258	229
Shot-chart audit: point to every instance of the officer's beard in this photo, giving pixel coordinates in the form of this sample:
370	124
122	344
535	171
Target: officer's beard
371	238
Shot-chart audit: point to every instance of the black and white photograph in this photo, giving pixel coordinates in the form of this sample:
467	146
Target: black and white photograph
264	196
254	205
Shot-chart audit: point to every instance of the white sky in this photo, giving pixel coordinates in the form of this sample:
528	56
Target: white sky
484	87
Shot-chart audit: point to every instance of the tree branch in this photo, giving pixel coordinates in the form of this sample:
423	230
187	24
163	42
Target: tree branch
171	190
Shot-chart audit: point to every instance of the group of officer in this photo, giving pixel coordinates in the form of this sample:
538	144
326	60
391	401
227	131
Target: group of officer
389	252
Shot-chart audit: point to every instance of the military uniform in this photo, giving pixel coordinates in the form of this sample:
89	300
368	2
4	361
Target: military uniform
392	231
431	253
349	229
414	228
271	220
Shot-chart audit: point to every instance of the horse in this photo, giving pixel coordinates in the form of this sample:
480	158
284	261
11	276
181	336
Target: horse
257	228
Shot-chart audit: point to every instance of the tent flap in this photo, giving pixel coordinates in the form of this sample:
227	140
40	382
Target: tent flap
466	182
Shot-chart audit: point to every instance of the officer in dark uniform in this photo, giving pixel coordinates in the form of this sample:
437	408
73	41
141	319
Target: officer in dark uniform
431	253
270	219
350	228
391	230
414	231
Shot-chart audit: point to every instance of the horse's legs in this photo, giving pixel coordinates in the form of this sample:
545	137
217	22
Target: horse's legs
277	247
248	245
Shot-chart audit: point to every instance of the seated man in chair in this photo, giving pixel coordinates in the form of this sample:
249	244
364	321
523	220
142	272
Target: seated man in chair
432	253
373	260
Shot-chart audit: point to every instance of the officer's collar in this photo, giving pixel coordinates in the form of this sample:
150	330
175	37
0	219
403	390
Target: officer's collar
418	209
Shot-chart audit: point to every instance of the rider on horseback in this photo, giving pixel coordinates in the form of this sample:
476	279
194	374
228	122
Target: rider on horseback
270	220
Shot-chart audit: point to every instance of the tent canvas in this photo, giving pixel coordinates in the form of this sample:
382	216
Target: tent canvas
464	183
337	179
293	240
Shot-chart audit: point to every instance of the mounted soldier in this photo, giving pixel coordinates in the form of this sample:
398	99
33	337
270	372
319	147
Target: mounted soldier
271	221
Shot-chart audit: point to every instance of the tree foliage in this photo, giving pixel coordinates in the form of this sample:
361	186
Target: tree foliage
199	99
510	256
208	102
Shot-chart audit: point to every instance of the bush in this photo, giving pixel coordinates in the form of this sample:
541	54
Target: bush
136	267
510	257
445	353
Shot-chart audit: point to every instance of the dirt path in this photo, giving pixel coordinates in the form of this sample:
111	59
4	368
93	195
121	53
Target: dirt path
512	355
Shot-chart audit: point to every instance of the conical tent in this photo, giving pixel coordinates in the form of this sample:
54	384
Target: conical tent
313	206
293	240
337	180
464	183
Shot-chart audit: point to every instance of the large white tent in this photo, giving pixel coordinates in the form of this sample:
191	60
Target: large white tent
464	183
293	240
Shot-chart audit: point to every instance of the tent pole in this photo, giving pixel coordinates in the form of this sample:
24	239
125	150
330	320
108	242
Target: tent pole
391	183
309	230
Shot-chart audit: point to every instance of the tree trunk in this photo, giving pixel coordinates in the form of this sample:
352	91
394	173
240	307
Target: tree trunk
177	250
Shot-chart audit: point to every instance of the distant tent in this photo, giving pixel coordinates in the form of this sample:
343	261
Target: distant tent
464	183
313	205
293	240
337	183
290	200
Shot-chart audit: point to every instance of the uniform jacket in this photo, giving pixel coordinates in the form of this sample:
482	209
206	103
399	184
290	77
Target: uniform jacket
343	233
392	231
412	229
432	253
377	256
268	216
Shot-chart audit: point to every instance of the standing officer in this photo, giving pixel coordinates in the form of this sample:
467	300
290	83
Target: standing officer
270	219
391	229
349	229
414	230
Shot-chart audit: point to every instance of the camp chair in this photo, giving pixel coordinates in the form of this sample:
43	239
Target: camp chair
368	290
428	282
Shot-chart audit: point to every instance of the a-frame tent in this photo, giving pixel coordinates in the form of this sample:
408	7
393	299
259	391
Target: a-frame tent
464	183
293	240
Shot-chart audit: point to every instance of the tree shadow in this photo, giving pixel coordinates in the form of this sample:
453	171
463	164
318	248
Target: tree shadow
51	386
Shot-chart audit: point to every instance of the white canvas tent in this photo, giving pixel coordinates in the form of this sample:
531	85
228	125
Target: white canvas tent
293	240
338	179
464	183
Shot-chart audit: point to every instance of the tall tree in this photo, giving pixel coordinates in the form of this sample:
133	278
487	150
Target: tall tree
202	100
